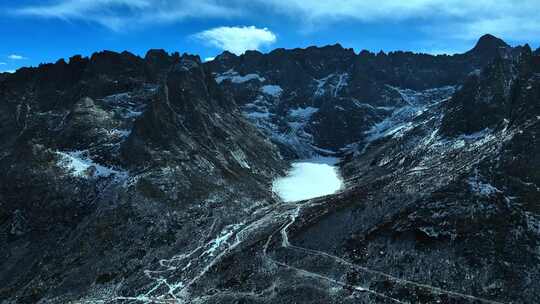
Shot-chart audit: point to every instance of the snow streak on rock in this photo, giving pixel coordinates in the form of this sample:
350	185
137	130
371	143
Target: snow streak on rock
401	119
234	77
79	164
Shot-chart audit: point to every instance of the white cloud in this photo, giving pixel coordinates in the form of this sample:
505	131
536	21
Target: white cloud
365	10
120	14
16	57
237	39
76	8
3	63
8	71
377	10
209	59
459	19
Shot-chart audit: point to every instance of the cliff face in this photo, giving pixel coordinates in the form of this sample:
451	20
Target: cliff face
453	204
329	97
105	169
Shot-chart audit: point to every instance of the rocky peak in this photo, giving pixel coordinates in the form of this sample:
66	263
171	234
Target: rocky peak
113	64
225	56
504	91
184	106
186	63
154	55
158	62
186	81
77	59
488	42
253	54
488	47
328	50
525	62
527	49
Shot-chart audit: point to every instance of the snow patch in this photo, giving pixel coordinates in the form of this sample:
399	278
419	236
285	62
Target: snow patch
477	135
305	113
481	188
401	120
397	123
122	133
240	158
221	239
80	165
129	113
342	82
333	82
272	90
125	104
295	136
256	115
234	77
116	99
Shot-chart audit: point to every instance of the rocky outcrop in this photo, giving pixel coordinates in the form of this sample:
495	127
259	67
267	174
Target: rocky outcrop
452	196
487	48
118	170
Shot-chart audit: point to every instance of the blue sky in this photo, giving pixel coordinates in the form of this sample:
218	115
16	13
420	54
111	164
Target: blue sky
36	31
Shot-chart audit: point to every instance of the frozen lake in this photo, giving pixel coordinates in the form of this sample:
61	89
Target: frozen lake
308	179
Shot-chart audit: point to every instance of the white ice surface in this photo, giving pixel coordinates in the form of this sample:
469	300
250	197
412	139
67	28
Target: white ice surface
272	90
309	179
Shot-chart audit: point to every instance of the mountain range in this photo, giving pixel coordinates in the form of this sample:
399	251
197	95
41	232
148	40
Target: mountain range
149	180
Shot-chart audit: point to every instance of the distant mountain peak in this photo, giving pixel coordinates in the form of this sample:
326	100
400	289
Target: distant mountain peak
488	44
